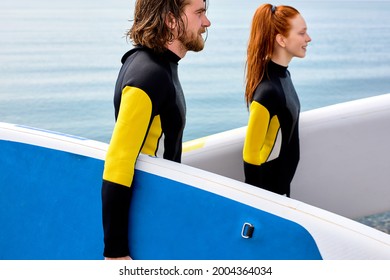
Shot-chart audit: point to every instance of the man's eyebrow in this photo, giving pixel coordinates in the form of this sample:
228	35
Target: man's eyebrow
201	10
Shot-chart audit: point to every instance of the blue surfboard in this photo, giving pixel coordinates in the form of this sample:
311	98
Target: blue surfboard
51	209
50	197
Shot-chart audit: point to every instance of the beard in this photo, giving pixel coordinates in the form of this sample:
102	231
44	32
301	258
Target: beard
192	42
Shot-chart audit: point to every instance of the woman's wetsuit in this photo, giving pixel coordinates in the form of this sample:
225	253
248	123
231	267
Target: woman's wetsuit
149	110
271	148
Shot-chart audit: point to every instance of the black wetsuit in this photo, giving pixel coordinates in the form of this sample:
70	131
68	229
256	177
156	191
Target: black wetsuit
271	149
149	110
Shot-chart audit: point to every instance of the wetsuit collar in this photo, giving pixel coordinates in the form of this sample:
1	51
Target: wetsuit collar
277	68
169	55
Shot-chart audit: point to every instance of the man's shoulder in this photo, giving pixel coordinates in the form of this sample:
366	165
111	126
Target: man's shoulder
142	61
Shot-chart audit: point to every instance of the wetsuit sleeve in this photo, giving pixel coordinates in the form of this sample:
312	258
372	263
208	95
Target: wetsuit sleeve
256	133
129	134
127	139
115	213
260	142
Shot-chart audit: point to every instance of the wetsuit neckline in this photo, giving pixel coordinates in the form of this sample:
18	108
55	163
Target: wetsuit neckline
171	56
277	68
167	54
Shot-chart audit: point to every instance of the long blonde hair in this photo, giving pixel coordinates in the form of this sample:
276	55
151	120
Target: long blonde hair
267	22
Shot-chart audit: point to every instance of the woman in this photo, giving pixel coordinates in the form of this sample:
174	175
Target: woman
271	148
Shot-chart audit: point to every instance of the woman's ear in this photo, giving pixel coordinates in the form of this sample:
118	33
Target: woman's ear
170	21
280	40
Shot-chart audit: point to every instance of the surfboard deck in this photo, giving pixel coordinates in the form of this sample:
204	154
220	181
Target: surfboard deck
51	209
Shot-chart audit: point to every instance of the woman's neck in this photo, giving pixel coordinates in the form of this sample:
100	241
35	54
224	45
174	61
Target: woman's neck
281	57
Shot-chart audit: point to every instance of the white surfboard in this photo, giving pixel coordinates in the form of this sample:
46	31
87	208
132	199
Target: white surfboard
344	165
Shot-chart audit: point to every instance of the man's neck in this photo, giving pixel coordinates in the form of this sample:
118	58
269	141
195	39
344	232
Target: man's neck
177	48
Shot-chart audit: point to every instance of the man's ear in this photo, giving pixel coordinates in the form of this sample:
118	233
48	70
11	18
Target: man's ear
170	21
281	40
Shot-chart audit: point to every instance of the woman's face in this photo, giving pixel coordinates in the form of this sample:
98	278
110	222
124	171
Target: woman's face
298	39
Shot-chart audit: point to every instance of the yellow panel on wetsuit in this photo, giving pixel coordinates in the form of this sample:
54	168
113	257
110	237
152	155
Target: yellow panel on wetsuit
129	134
152	141
261	137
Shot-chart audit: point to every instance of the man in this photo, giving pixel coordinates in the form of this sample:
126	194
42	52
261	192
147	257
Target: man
149	104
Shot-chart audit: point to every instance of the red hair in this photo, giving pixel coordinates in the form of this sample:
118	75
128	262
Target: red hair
267	22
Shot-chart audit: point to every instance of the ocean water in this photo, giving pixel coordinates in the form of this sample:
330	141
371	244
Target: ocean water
59	61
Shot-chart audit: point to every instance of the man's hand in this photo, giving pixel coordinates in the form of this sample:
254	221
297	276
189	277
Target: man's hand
118	259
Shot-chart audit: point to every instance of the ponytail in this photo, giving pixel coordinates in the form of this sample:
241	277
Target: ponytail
267	22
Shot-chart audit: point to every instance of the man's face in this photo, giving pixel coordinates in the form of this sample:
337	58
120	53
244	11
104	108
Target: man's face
196	23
